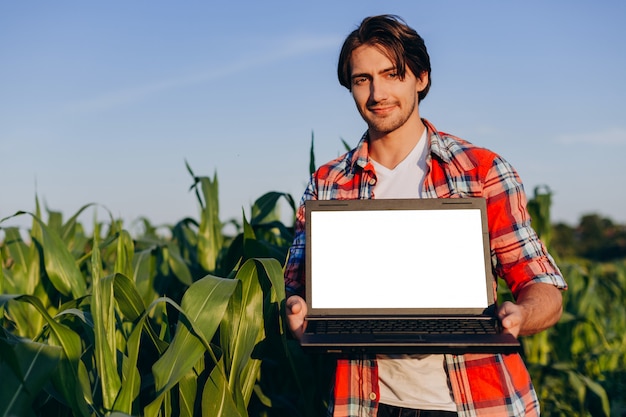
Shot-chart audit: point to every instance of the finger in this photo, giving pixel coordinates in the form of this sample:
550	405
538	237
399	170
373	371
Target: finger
511	324
294	305
295	308
505	309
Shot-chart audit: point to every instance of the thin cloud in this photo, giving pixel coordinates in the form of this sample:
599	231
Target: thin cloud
274	53
612	136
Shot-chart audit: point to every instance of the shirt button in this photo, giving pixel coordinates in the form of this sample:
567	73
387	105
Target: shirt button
372	396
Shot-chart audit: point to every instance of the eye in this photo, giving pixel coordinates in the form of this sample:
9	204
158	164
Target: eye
359	80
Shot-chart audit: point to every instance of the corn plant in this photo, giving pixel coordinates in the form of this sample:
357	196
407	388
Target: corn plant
185	326
579	365
585	370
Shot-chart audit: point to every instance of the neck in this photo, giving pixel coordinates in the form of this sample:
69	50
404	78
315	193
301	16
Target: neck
391	148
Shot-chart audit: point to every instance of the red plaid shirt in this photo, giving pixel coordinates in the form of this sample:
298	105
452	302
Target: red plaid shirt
482	384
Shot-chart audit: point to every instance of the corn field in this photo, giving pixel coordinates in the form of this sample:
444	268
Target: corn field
185	320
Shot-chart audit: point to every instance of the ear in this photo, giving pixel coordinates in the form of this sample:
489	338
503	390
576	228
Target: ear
422	81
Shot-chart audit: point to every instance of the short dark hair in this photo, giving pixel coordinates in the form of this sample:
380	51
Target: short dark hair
402	45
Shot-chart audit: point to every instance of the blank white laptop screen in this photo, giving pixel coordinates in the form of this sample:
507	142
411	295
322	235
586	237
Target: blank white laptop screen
397	259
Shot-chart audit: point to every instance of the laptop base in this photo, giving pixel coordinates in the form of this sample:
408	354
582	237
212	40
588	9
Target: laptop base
411	344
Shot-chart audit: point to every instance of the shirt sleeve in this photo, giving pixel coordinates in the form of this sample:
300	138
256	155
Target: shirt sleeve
518	255
295	267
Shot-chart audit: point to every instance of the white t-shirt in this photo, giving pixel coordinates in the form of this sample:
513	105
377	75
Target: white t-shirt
411	381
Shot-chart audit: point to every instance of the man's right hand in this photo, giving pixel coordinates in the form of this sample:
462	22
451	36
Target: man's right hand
296	311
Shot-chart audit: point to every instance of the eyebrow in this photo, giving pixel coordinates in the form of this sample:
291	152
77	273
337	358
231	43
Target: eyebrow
367	75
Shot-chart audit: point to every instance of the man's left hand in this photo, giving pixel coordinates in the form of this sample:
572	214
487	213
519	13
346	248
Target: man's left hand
538	307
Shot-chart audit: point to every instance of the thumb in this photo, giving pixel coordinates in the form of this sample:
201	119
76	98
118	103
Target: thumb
294	305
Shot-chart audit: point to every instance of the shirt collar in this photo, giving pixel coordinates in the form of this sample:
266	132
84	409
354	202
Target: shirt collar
360	156
440	146
447	148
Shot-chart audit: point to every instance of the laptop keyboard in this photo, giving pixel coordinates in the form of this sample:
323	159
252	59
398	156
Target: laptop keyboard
390	326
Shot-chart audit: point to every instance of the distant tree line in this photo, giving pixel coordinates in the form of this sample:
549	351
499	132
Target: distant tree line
595	238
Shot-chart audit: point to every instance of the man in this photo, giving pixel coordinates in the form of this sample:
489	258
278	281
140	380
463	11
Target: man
385	65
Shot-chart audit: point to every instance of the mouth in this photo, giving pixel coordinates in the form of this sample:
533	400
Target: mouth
381	110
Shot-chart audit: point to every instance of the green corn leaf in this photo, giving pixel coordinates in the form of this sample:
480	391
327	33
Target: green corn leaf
248	230
346	145
578	385
125	253
312	155
127	297
103	314
59	263
66	379
154	408
600	392
539	210
265	208
55	220
2	283
18	252
155	308
144	271
131	380
75	312
25	367
67	230
128	391
202	308
160	407
178	265
241	330
187	388
274	273
23	277
69	341
210	236
7	341
28	322
217	400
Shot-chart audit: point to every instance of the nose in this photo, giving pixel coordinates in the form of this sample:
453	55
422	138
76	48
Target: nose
378	91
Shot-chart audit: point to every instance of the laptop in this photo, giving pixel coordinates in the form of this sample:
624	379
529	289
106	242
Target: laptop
400	276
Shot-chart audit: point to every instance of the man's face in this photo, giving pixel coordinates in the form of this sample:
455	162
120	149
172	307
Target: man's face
385	101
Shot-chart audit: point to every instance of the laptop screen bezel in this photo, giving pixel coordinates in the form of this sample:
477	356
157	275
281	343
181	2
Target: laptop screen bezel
401	204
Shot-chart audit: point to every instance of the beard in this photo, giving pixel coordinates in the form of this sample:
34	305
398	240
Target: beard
382	125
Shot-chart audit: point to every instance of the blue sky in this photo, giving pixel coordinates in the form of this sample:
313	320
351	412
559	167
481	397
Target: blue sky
104	102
